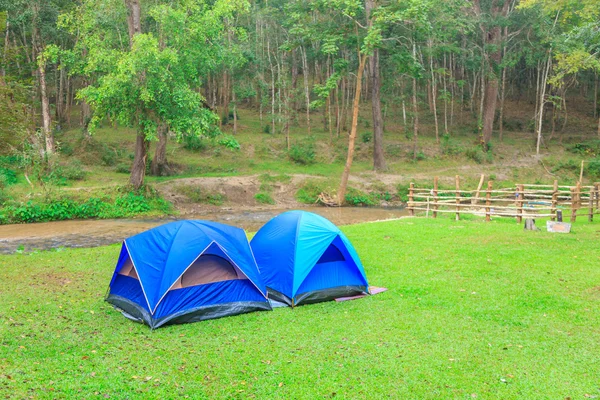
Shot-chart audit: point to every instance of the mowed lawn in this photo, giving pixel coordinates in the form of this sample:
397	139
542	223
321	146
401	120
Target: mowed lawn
474	310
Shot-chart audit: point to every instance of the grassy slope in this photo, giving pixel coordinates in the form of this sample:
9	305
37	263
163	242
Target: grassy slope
262	153
474	310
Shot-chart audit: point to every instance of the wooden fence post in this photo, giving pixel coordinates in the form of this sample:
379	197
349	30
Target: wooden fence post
597	195
591	204
435	196
474	201
411	195
488	202
457	179
554	201
573	205
520	189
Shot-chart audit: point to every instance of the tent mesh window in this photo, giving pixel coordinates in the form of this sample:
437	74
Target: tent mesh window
209	269
128	270
331	254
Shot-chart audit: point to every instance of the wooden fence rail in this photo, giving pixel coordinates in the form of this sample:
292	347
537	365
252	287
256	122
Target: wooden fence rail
522	201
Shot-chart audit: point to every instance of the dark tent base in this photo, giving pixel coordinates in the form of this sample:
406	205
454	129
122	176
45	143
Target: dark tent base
317	296
134	312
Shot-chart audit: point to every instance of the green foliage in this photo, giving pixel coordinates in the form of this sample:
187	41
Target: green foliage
449	146
62	174
420	156
229	142
198	195
264	198
477	154
402	191
64	208
366	137
7	177
355	197
268	178
590	148
302	153
592	168
193	143
309	191
267	129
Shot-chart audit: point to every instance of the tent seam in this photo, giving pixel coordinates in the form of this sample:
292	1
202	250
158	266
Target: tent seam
246	275
136	271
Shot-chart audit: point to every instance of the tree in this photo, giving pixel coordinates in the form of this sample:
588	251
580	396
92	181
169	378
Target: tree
154	84
492	20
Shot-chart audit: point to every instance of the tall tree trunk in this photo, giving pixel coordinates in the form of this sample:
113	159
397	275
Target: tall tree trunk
138	169
543	102
415	109
159	165
346	174
46	118
306	89
433	93
378	155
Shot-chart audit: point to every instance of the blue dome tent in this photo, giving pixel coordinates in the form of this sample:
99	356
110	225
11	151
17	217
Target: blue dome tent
304	258
186	271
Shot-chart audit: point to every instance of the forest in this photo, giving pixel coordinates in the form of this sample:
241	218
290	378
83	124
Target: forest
165	75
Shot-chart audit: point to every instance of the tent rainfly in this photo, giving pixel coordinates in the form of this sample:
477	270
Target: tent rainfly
186	271
304	258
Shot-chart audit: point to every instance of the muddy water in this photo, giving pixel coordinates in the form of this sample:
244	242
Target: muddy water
92	233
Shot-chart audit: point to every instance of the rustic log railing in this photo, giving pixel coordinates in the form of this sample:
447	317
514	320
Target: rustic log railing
521	201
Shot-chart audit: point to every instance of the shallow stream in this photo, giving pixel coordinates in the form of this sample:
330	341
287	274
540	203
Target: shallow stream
92	233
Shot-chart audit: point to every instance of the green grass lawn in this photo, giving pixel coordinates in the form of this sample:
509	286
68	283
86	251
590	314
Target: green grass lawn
474	310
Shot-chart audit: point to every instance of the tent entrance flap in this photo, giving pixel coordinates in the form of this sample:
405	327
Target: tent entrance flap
206	269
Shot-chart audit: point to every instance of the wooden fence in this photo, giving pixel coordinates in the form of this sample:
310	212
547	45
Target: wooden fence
521	201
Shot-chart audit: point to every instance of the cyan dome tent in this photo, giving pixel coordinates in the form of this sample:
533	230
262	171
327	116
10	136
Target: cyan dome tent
186	271
304	258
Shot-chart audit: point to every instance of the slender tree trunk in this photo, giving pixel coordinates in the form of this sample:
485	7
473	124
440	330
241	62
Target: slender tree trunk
138	169
433	93
46	118
159	165
502	98
542	102
415	109
378	155
306	89
355	106
234	100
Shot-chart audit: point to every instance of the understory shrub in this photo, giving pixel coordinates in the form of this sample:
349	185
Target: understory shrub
193	143
7	177
123	205
357	197
303	154
264	198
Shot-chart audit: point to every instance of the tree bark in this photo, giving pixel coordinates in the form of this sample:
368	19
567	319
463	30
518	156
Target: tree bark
346	174
542	103
415	109
306	89
46	118
159	165
378	155
138	169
